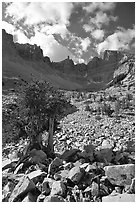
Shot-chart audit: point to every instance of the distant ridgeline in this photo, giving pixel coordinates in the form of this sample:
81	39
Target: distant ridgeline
96	74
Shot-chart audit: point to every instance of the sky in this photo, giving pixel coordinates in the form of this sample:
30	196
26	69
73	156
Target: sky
80	30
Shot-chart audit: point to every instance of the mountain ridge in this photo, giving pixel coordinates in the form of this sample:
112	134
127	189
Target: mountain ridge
27	60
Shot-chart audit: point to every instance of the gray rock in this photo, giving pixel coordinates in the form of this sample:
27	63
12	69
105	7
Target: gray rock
54	166
68	166
84	165
30	198
18	168
24	186
58	188
41	198
107	144
47	182
54	198
68	155
7	190
94	189
87	152
121	175
119	198
35	175
76	174
7	163
104	155
132	186
38	156
61	174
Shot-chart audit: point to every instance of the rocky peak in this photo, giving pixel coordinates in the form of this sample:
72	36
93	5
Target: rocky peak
65	65
7	37
8	45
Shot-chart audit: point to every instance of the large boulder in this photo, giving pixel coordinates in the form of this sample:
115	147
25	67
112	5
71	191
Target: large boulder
24	186
121	175
119	198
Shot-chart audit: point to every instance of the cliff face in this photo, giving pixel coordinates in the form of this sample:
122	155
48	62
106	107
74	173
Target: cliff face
8	46
29	52
28	60
112	56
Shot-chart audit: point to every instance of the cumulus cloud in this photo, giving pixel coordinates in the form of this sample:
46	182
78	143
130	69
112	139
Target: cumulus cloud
8	27
85	43
120	40
98	34
98	21
55	29
18	35
50	46
38	12
101	19
103	6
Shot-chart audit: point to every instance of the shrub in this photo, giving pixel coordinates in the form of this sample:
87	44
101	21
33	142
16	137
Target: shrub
38	107
106	109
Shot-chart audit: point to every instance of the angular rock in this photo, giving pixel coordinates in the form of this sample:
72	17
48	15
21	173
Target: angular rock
7	190
68	155
47	184
46	188
7	163
86	155
104	155
132	186
18	168
119	198
61	174
76	174
107	144
30	198
121	175
41	198
68	166
58	188
35	175
84	165
24	186
54	166
54	198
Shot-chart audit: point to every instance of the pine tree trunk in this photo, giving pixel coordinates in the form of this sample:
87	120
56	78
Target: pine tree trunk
50	139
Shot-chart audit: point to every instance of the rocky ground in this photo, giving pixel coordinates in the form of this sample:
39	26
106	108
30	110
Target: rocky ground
94	160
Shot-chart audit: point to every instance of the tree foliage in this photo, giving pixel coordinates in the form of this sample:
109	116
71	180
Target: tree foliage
37	103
